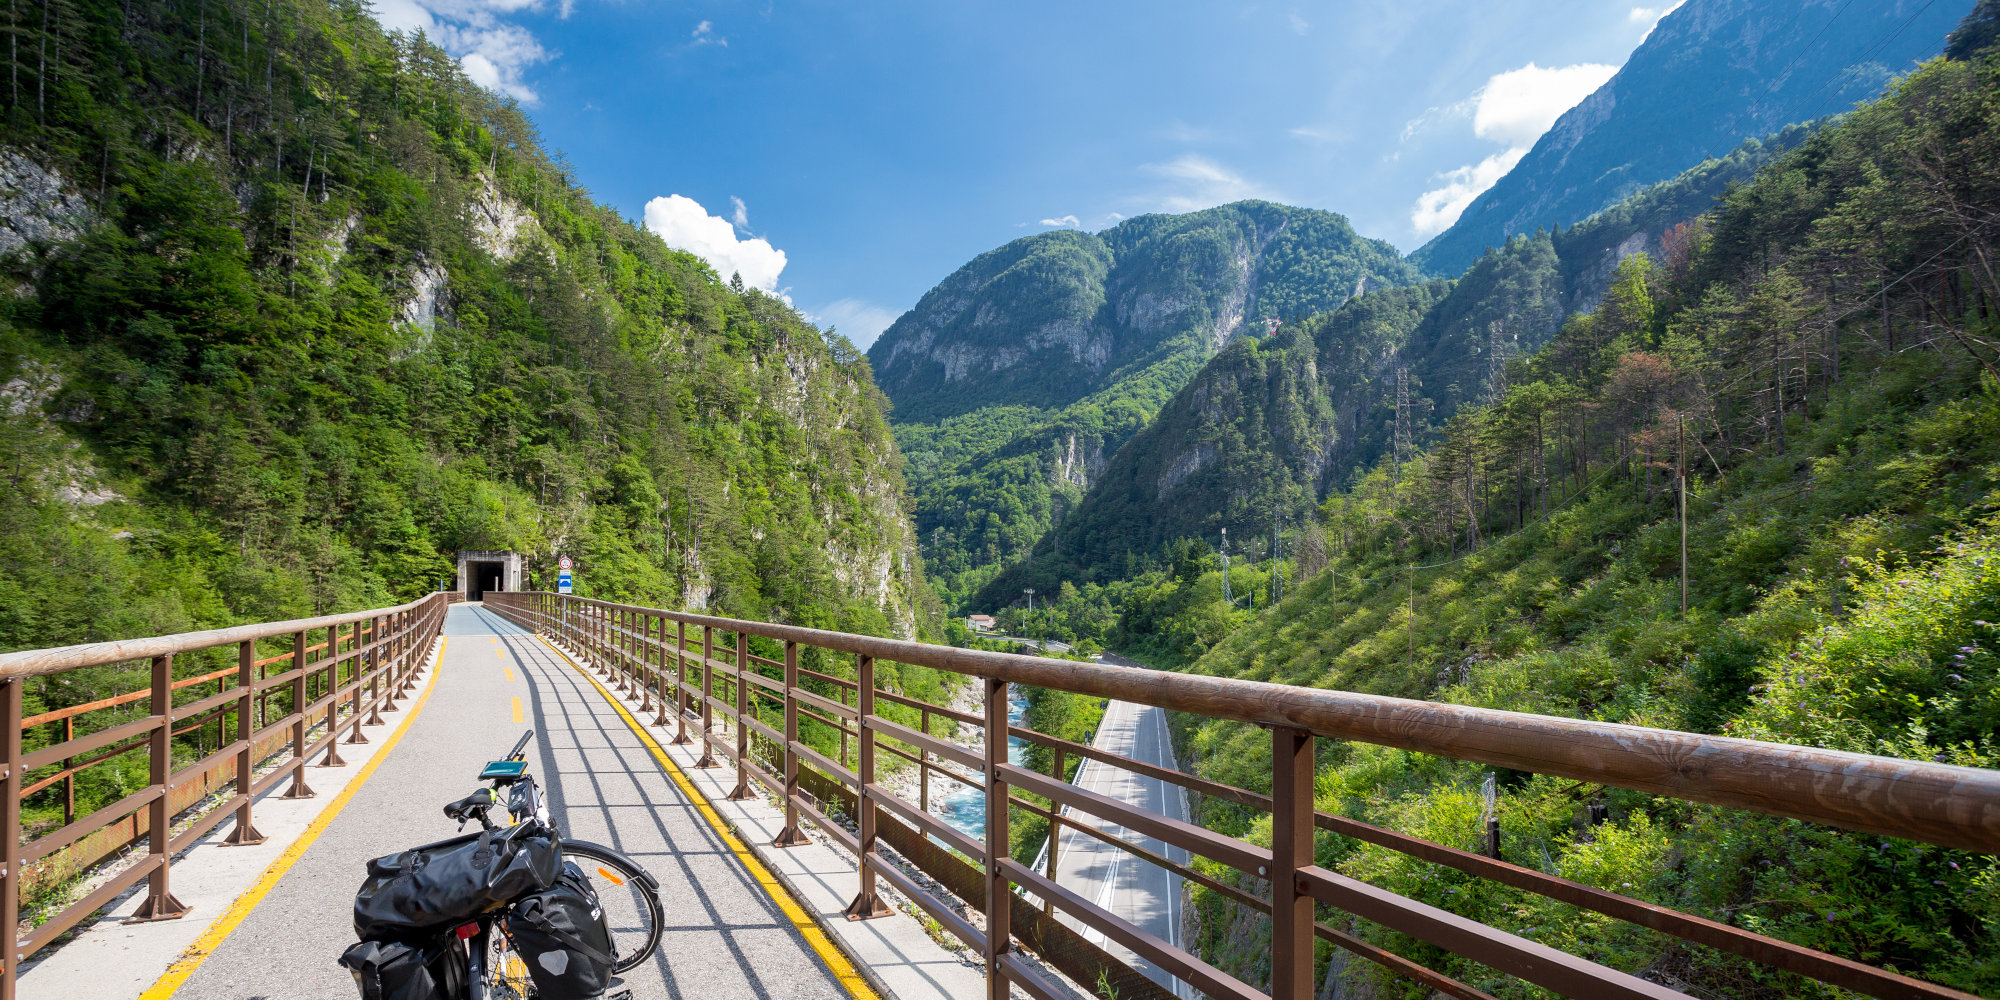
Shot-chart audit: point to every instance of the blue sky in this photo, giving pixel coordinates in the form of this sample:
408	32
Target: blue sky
849	155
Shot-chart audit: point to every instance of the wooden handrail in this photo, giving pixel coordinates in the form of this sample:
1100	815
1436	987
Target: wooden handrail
1941	804
40	662
385	648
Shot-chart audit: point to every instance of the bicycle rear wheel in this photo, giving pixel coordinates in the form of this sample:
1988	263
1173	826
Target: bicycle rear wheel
631	904
506	972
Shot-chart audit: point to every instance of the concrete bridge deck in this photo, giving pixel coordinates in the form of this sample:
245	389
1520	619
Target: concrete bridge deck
728	931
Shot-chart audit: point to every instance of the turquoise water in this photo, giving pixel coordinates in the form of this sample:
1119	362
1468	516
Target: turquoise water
965	809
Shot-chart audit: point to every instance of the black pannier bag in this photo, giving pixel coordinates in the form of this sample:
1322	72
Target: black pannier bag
429	887
399	970
561	936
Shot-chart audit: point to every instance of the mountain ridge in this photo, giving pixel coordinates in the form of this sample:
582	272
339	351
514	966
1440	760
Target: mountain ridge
1710	73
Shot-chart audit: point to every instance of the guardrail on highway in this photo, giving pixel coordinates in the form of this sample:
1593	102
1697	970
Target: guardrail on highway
671	659
335	683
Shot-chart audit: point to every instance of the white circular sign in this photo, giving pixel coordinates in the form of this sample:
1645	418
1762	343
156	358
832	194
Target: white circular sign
563	562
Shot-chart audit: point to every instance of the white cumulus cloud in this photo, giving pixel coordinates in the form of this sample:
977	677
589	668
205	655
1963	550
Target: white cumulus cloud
1650	16
1064	221
704	34
685	225
1439	207
855	319
494	53
1193	183
1516	107
1513	109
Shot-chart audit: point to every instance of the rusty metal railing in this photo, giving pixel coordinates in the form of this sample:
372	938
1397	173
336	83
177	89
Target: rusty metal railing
653	655
334	684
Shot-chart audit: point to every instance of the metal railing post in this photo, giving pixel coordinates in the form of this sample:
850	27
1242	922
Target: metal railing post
924	766
625	649
1055	827
642	668
999	893
332	758
299	789
69	777
680	687
866	902
363	659
791	835
385	659
1291	850
10	833
742	789
657	663
160	903
707	696
413	655
246	682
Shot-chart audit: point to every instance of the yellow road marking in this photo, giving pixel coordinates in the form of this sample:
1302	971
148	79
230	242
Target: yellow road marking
517	710
836	960
177	974
508	672
499	654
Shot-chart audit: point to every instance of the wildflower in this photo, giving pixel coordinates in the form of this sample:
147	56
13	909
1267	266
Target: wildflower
1953	864
1936	882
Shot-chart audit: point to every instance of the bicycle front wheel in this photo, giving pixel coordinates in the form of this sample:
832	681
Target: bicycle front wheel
629	896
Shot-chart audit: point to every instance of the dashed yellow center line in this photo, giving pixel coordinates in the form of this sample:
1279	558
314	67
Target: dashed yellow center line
183	967
517	710
836	960
508	672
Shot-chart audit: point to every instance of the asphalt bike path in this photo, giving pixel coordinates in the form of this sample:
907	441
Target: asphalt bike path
724	937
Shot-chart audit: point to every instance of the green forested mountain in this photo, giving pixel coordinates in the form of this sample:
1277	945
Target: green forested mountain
1820	353
1017	378
293	318
1711	72
1269	427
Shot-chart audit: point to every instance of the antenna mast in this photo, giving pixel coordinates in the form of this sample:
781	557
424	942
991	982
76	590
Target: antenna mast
1226	599
1403	436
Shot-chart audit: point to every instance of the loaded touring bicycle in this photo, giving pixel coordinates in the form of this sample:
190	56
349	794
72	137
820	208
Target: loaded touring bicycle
512	912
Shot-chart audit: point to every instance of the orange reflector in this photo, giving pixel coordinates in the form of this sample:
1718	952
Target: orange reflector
615	880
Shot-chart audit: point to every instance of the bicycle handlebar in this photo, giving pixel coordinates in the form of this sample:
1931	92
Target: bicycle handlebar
515	754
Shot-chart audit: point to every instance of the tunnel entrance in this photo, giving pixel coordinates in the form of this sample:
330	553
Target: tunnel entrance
481	577
483	571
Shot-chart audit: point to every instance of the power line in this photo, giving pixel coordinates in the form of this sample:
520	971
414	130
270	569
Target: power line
1879	46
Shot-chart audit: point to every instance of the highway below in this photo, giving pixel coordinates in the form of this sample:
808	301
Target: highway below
1137	890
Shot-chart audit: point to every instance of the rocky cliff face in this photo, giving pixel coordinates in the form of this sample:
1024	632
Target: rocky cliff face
307	379
1091	333
1712	73
1052	318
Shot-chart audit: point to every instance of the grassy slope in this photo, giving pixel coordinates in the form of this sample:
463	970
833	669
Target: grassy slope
216	414
1843	579
1869	549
